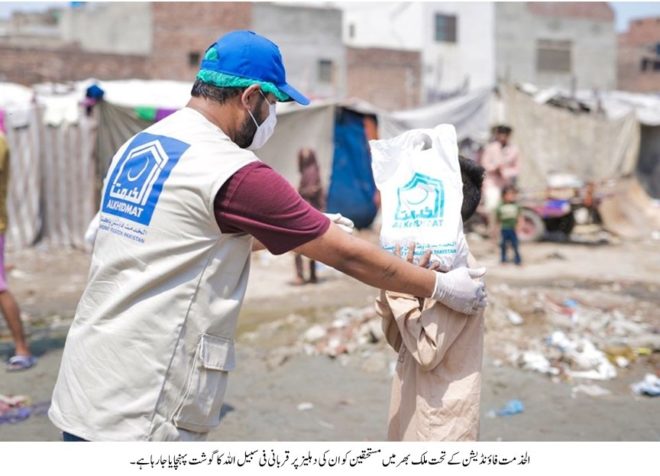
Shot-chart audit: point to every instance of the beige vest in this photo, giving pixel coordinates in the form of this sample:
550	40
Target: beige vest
148	354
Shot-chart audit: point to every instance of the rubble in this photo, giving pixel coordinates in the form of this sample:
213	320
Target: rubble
351	329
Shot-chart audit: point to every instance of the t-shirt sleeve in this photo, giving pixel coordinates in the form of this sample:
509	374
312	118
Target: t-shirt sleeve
259	201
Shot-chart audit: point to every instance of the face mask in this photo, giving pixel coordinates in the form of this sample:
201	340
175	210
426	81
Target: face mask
265	129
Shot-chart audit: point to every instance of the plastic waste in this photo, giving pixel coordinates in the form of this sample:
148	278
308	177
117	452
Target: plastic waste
536	361
650	386
591	390
512	407
514	318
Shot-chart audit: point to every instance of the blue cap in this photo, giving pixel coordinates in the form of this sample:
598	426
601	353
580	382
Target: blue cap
250	56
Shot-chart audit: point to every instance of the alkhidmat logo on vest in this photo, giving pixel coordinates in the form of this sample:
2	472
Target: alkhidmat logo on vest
138	178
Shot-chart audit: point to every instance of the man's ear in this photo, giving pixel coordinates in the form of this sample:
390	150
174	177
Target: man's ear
250	96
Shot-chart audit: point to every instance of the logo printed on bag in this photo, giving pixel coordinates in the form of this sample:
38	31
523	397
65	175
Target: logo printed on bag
138	178
421	202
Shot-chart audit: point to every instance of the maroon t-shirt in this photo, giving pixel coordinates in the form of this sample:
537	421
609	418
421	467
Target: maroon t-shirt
259	201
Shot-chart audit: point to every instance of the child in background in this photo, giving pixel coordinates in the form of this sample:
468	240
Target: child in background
311	190
437	386
508	213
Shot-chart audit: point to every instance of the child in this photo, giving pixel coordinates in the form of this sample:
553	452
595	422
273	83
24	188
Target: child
437	386
508	214
311	190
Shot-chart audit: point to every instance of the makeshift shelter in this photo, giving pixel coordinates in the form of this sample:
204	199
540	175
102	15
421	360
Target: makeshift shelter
50	197
552	140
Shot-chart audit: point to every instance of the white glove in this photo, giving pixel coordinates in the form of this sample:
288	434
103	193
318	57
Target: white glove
461	289
341	221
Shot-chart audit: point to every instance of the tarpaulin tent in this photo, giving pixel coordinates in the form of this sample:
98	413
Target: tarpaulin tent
471	115
617	105
554	140
51	168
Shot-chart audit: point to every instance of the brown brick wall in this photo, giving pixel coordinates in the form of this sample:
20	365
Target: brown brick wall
637	43
181	28
33	65
642	32
390	79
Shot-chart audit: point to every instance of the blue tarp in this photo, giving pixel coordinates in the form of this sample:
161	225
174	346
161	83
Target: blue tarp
352	186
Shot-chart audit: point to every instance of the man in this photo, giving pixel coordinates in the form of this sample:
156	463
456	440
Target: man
22	358
152	343
501	159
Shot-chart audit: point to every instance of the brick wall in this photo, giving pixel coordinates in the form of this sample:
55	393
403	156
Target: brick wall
634	45
641	32
389	79
33	65
182	28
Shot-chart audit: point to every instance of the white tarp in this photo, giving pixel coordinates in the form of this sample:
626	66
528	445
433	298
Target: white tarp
51	179
469	114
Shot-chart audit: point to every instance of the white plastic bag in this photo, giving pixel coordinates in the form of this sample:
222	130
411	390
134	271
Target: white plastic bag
419	178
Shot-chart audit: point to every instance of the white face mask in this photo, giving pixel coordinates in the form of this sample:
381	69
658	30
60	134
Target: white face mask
265	129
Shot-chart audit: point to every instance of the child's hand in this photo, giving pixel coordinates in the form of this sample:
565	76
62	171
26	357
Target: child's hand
423	262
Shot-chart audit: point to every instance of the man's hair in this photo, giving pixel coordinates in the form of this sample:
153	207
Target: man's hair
473	177
214	93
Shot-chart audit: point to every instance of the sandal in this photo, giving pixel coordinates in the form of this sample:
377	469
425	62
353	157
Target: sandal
21	362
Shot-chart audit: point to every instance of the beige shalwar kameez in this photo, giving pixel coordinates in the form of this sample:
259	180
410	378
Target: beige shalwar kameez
437	385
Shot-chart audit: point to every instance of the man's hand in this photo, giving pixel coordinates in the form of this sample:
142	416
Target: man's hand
456	292
461	289
341	221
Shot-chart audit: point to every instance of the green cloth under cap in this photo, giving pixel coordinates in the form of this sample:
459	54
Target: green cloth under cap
248	58
223	80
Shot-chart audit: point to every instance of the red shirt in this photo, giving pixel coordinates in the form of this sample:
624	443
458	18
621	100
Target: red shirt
259	201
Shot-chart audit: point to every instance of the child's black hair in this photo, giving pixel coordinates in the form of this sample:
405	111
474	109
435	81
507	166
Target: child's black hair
473	177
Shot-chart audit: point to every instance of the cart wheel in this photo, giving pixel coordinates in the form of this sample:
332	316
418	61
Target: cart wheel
531	226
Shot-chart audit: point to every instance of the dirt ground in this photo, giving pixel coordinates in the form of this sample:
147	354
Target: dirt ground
277	393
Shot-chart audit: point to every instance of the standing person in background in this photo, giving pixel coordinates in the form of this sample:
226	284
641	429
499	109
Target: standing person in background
22	358
501	159
311	190
508	214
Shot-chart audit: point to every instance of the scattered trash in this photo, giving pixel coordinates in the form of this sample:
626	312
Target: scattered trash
622	362
350	330
315	333
591	390
515	318
536	361
620	355
512	407
587	361
14	409
304	406
650	386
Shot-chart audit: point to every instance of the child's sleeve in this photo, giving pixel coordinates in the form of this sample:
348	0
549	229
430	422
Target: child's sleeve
427	333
